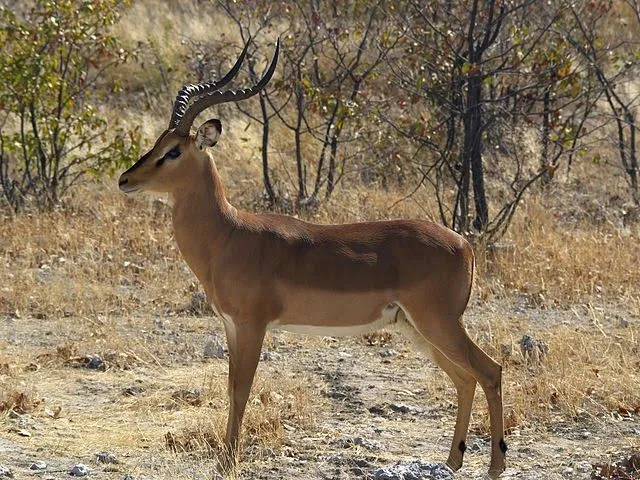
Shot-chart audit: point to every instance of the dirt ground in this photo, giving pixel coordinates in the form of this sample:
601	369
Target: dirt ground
320	408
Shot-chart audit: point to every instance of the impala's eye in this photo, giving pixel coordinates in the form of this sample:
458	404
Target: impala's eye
173	153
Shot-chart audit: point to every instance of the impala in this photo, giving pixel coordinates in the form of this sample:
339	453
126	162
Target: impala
264	271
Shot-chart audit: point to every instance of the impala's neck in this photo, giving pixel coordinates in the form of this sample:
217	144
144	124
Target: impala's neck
202	217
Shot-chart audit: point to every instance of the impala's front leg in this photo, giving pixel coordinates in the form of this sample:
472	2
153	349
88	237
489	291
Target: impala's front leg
244	342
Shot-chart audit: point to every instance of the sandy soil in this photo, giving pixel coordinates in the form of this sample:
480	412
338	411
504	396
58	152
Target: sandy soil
354	407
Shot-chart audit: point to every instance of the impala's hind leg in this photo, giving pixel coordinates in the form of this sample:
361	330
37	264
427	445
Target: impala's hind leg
449	337
465	387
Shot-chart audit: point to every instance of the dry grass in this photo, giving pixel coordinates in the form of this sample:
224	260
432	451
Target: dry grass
588	373
557	264
109	254
169	410
106	256
18	399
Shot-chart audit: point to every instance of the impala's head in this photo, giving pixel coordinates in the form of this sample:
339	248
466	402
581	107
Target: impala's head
177	149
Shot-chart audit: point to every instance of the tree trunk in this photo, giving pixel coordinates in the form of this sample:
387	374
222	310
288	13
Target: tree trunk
266	177
473	149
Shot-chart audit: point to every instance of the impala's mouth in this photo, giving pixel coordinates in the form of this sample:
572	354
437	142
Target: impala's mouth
126	187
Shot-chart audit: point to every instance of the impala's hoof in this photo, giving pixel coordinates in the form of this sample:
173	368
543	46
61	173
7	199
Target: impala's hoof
495	472
454	464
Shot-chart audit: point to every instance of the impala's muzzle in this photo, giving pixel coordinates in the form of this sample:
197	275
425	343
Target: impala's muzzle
126	184
123	184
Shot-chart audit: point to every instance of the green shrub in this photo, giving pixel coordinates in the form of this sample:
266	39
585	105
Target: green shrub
53	67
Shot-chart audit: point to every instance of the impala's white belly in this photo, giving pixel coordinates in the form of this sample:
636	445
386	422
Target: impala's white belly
387	317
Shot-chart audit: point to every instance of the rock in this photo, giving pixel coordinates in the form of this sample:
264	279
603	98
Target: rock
90	360
368	444
95	362
268	355
132	391
106	457
214	349
160	324
79	470
377	410
403	408
5	472
358	441
584	466
192	396
337	459
388	352
128	476
415	470
533	350
38	465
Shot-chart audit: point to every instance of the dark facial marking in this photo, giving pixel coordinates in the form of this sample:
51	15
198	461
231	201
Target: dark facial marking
173	153
145	156
503	446
462	447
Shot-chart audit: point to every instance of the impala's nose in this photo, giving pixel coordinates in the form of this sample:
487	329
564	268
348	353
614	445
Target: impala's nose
126	186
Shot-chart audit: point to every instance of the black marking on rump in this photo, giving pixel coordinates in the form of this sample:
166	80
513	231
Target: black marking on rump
503	446
462	447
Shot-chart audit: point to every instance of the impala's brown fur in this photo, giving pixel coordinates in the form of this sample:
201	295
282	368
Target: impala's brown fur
263	271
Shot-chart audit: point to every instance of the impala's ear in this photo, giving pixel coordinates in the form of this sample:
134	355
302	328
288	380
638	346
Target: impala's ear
208	133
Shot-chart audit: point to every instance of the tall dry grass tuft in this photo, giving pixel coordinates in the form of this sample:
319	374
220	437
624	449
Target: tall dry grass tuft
103	253
273	408
554	263
17	398
589	373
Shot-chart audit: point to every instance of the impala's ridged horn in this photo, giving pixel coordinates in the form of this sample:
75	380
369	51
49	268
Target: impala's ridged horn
207	94
188	91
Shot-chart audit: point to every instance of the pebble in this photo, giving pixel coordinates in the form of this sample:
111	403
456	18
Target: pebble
368	444
159	323
38	465
416	470
213	349
584	466
388	352
79	470
106	457
267	356
132	391
5	472
94	362
404	408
